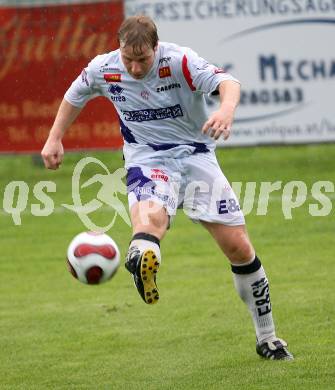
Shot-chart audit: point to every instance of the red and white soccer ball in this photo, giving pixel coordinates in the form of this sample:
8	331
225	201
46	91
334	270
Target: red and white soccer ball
93	257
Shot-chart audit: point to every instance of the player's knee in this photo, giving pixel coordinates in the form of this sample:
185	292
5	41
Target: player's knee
240	251
158	221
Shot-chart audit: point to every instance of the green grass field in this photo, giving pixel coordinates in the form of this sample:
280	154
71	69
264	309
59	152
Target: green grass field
56	333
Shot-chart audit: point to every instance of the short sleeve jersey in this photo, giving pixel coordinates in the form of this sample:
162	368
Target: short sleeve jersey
165	109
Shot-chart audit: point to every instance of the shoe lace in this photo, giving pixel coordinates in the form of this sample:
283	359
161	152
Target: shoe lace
277	349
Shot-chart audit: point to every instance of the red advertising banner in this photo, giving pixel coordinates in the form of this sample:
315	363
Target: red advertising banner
42	50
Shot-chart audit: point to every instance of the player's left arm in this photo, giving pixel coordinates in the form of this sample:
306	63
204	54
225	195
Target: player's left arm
220	122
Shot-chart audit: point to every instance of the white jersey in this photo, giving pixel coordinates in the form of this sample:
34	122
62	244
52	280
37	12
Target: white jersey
161	114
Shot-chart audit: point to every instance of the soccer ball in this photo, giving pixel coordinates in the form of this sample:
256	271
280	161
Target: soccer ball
93	257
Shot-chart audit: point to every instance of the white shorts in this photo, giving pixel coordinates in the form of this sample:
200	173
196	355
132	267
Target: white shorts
194	183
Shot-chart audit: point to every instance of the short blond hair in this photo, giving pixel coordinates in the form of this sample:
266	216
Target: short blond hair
138	31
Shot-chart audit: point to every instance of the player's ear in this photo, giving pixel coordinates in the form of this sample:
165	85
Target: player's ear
155	48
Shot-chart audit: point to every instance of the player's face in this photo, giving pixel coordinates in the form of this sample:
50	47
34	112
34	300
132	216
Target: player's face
137	65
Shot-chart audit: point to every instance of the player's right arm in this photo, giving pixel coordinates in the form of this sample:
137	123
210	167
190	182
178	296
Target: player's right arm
53	151
81	91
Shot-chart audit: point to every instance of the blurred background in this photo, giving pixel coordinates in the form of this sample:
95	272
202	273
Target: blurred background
279	50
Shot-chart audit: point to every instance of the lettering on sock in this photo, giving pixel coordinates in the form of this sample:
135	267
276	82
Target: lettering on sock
260	291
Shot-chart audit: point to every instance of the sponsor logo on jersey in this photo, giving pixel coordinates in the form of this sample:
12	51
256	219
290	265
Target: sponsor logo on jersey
159	174
106	68
164	60
145	95
112	77
84	77
219	70
165	71
164	88
116	91
151	114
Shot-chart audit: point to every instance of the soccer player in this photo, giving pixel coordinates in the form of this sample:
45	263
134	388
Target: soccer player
158	91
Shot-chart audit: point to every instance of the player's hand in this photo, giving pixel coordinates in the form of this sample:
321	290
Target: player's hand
219	123
52	153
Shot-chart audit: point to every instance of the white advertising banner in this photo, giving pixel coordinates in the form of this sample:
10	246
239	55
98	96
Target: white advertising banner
282	51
